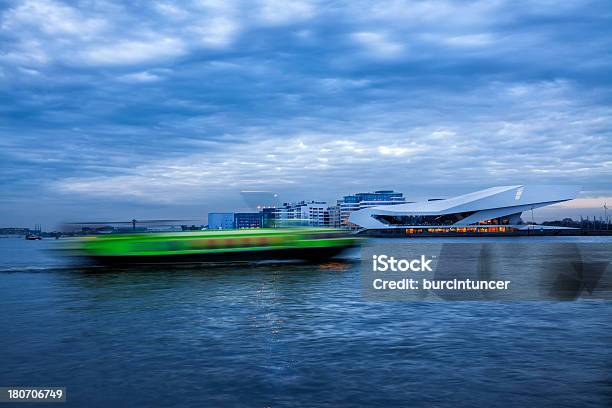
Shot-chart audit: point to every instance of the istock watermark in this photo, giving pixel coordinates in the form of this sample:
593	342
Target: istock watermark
485	271
382	263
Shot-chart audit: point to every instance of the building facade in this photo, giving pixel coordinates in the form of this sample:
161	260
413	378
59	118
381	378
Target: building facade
350	203
247	220
496	209
221	220
334	216
311	213
268	217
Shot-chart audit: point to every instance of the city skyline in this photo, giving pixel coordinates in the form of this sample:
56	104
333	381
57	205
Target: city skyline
576	209
155	110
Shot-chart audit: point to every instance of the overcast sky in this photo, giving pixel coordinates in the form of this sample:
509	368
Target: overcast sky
169	109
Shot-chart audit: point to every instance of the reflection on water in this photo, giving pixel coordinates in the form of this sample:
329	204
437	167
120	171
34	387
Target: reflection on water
285	335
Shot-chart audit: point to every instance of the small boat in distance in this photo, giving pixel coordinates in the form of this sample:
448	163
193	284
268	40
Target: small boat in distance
213	246
34	235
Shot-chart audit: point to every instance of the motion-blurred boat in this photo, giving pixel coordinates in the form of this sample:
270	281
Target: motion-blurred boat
216	246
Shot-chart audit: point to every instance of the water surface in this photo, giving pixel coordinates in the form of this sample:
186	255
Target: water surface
285	335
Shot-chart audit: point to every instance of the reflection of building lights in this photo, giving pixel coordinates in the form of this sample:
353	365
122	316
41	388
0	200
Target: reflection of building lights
458	230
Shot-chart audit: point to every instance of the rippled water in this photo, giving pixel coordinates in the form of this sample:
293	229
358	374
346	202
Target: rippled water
285	335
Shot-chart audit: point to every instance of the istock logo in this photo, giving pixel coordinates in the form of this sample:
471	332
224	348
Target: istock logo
383	263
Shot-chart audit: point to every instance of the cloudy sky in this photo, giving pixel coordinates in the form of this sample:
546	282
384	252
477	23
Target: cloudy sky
168	109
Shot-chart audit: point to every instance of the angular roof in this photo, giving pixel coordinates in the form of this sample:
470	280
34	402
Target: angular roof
485	204
494	197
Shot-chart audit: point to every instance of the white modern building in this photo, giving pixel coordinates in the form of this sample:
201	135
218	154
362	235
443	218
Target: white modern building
496	209
312	213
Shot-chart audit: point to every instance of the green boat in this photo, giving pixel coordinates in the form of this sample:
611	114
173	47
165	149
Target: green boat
216	246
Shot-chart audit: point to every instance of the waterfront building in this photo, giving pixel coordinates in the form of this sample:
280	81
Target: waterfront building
350	203
221	220
334	216
493	210
268	217
311	213
247	220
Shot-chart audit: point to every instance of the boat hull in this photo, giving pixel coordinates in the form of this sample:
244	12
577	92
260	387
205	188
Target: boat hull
301	254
